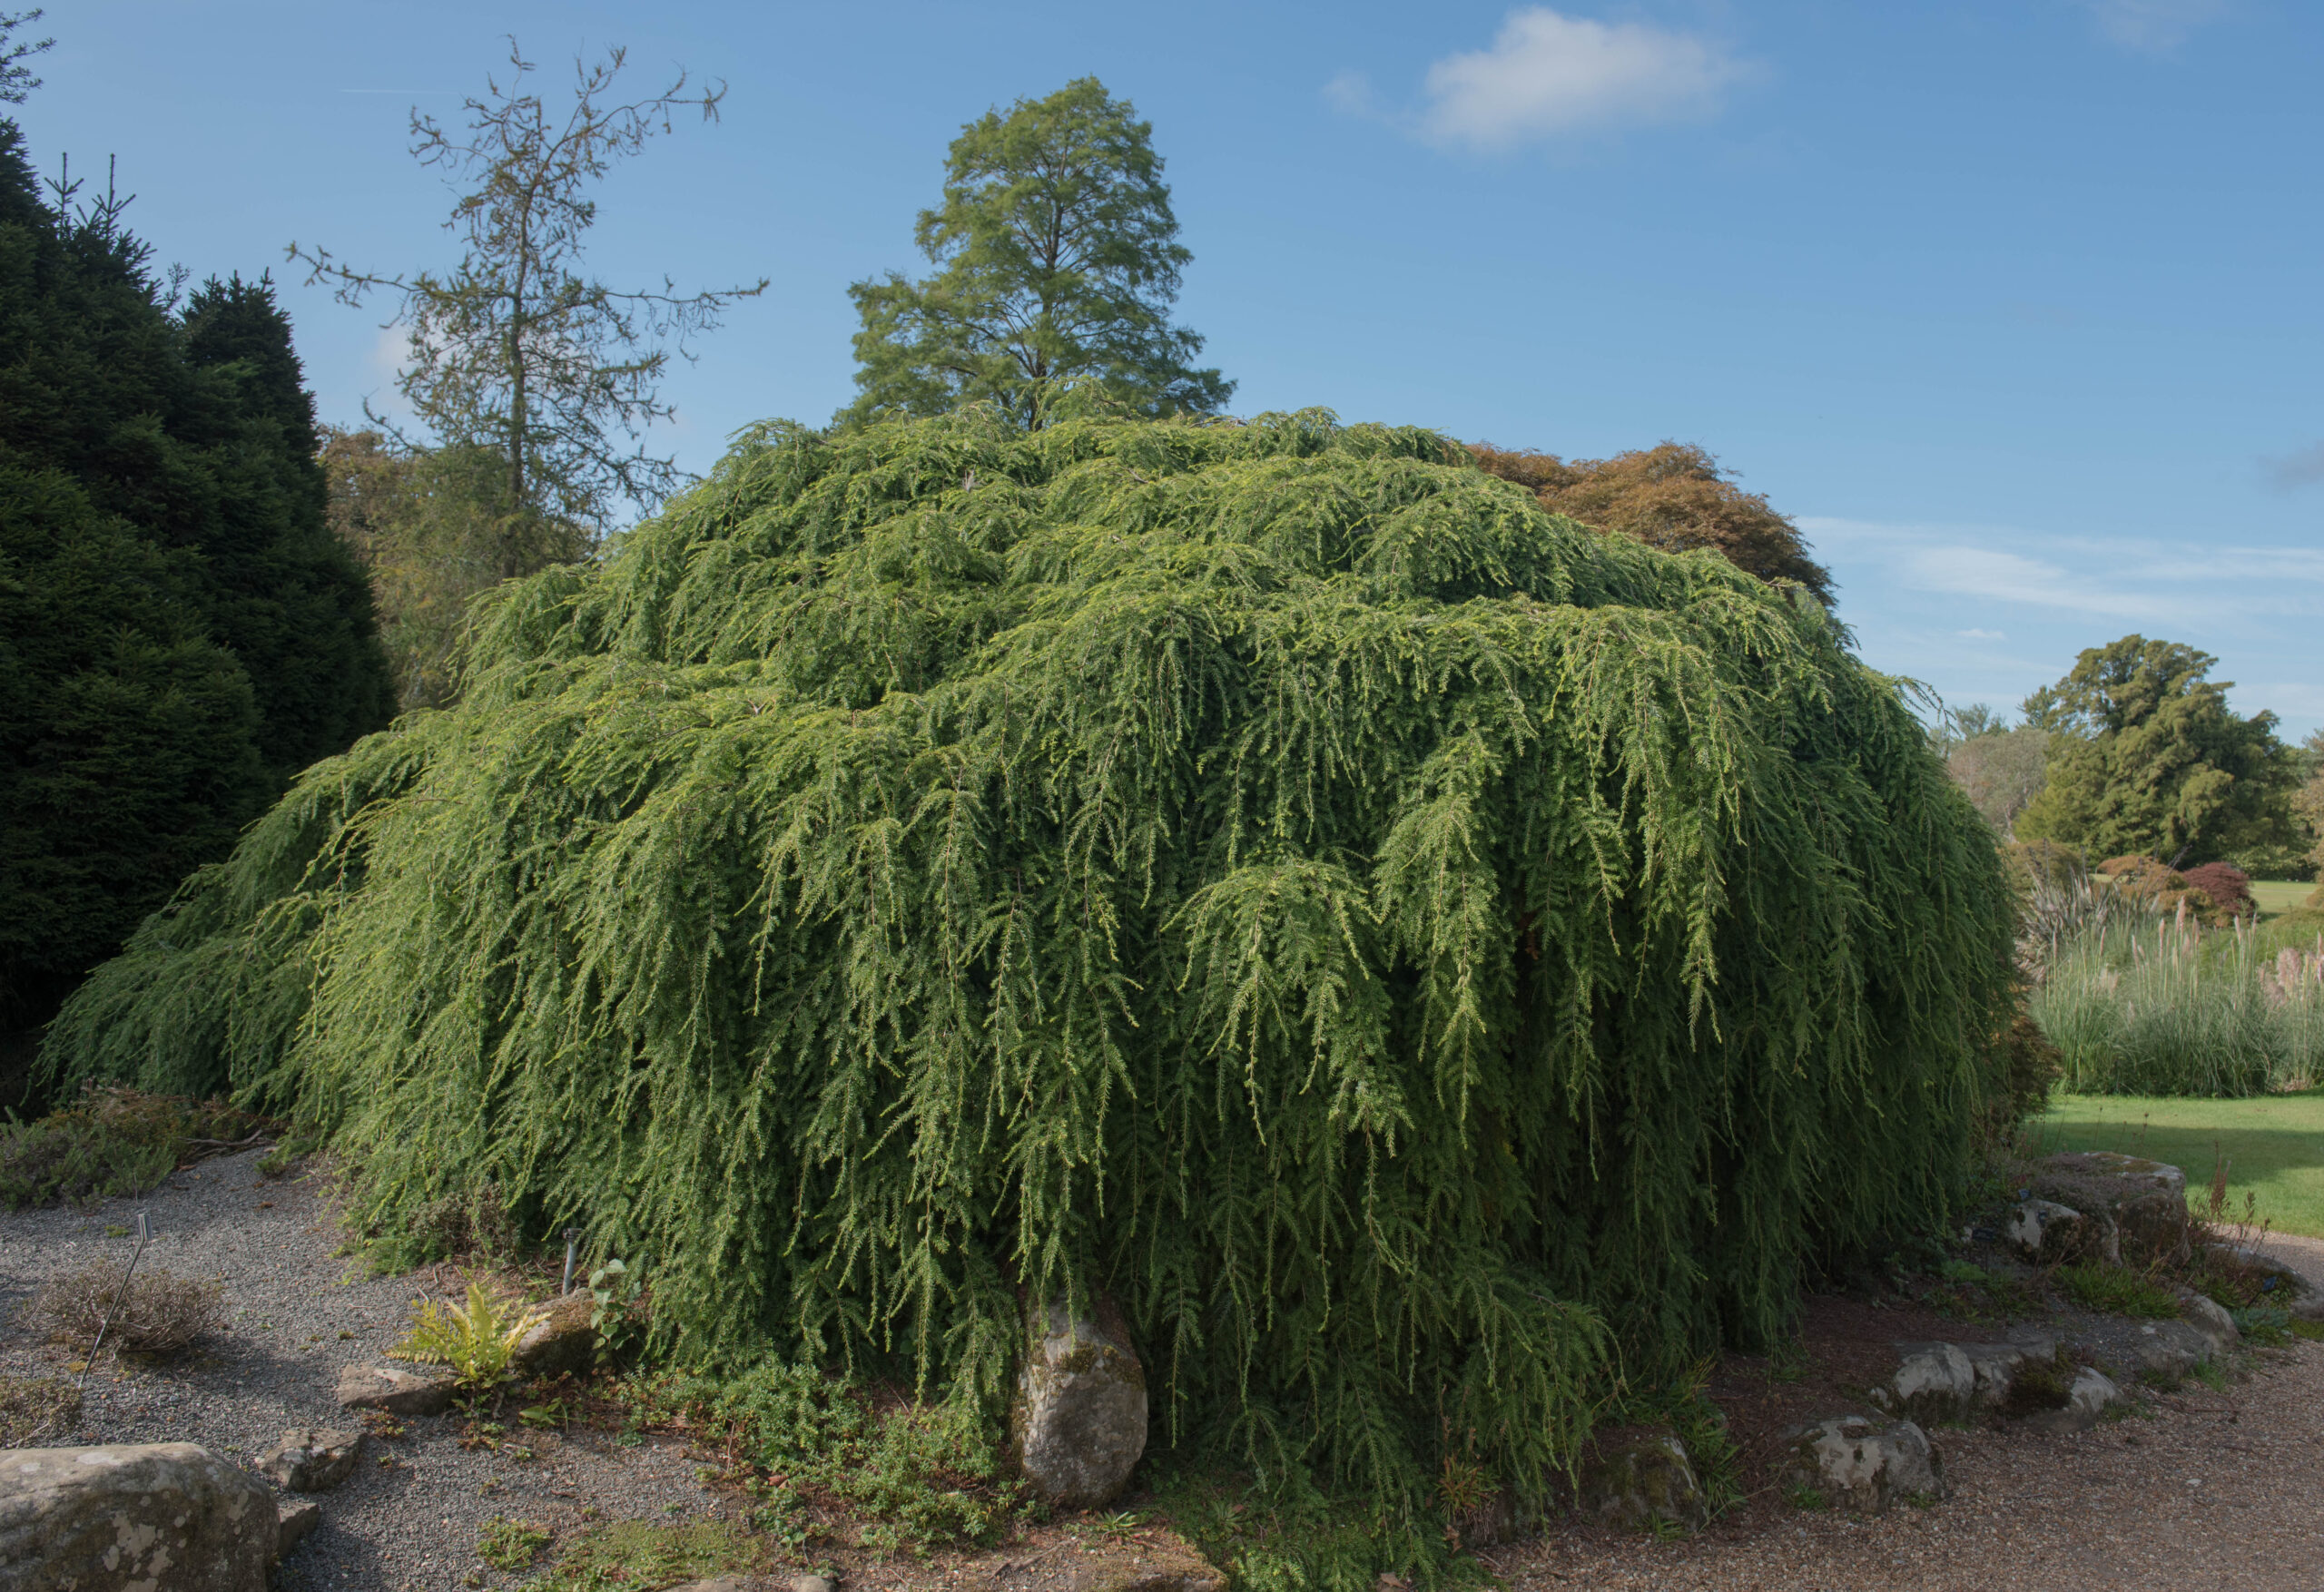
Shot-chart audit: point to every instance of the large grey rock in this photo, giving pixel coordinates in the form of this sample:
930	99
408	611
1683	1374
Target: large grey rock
1932	1382
2138	1206
1641	1480
1079	1423
1863	1464
307	1460
562	1339
2206	1316
398	1390
128	1517
2172	1350
2043	1231
2093	1394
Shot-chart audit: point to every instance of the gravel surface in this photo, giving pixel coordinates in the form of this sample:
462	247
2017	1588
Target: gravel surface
295	1316
2200	1490
2203	1490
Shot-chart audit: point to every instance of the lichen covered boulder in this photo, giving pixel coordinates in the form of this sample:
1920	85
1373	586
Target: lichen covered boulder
1853	1462
1641	1480
132	1517
1078	1425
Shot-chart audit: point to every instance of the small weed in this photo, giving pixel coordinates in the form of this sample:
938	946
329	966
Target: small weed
1806	1498
2212	1375
157	1315
511	1545
476	1339
33	1408
2038	1385
2267	1325
1117	1527
2117	1291
2313	1332
543	1417
1970	1292
1921	1500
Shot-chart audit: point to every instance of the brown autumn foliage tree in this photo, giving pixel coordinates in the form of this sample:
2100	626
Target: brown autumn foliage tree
1673	496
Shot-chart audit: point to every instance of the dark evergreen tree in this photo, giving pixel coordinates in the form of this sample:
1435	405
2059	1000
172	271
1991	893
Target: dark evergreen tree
178	632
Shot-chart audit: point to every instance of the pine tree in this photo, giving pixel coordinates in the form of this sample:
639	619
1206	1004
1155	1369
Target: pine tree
1059	261
179	634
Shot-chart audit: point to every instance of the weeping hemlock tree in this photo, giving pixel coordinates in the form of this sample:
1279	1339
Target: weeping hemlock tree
1413	953
1059	260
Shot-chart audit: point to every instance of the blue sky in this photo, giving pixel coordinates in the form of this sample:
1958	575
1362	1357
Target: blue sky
2014	305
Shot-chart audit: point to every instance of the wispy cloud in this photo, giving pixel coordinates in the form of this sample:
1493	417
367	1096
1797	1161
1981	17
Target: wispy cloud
1547	74
2152	25
1980	635
1985	572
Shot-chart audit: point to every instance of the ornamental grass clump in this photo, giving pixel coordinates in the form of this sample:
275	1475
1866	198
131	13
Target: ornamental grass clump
1421	958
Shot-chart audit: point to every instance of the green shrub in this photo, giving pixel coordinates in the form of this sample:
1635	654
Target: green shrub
2264	1324
1398	943
111	1141
2117	1291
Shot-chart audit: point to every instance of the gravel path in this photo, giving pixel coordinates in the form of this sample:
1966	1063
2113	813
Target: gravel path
296	1316
2217	1490
2214	1491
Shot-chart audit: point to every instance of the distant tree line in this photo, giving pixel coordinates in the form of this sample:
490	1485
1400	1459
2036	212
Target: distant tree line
2135	752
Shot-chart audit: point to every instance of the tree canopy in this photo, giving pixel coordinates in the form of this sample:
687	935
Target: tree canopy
1673	496
179	630
1059	261
1413	953
513	349
2147	758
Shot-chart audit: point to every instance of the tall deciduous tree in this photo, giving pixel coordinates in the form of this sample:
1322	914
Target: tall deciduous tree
515	349
1673	496
1057	263
2146	757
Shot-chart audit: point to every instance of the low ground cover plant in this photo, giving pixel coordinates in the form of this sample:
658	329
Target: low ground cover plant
155	1314
36	1411
2118	1290
922	1474
114	1141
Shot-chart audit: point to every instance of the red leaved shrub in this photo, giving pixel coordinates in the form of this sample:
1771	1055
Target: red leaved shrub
2225	884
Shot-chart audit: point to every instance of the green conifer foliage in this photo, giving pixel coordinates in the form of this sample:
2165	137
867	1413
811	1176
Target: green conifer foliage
179	633
1416	955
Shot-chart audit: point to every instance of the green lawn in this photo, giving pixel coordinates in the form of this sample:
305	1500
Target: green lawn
2274	1145
2276	896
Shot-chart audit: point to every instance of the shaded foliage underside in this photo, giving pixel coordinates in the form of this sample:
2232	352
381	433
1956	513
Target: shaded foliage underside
1415	954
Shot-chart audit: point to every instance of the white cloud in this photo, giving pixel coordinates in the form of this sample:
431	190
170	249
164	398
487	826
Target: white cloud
1985	572
1980	635
1549	73
2153	25
1350	94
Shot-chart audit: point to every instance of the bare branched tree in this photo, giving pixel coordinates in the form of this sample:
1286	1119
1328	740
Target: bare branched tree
515	349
